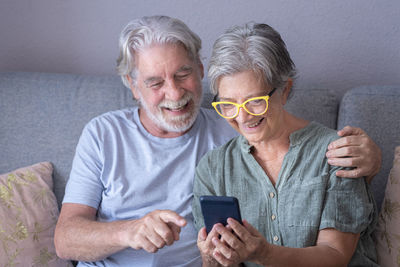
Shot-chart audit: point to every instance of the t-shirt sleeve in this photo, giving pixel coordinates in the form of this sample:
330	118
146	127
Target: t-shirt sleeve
349	204
84	185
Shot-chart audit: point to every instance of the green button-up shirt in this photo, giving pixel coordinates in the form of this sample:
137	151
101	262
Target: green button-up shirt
307	197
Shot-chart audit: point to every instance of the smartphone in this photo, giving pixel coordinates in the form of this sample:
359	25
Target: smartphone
217	209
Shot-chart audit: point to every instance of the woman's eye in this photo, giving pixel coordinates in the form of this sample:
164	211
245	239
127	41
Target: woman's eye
227	106
256	101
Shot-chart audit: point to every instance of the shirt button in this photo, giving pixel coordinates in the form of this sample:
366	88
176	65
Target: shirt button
276	238
271	195
273	217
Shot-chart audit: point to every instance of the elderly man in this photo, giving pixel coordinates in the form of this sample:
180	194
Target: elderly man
128	199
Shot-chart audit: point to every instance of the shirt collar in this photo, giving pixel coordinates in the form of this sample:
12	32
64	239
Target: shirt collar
295	138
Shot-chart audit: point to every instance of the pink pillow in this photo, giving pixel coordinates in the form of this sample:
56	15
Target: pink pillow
387	233
28	215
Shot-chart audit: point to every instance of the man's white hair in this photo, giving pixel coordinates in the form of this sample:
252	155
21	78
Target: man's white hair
143	32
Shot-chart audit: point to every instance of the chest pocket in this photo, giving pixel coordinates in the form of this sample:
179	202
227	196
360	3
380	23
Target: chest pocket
302	203
300	210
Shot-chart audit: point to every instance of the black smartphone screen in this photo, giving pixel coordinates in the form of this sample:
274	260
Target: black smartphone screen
217	209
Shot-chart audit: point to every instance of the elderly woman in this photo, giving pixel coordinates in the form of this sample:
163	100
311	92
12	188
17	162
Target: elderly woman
296	211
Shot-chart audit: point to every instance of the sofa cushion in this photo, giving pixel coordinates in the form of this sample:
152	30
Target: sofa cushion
28	215
387	233
376	110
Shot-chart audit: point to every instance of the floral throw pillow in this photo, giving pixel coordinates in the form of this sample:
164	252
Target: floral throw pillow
28	215
387	233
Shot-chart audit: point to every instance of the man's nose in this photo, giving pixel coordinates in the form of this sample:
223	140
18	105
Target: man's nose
174	91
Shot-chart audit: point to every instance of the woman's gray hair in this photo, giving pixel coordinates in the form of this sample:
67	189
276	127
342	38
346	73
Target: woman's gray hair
256	47
143	32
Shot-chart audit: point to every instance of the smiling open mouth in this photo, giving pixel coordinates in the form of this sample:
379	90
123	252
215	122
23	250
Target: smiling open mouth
177	108
255	124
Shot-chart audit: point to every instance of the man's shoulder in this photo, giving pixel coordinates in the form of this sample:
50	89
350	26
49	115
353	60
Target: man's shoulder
114	117
216	125
210	115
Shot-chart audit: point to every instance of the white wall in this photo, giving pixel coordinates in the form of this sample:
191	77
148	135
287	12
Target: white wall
335	44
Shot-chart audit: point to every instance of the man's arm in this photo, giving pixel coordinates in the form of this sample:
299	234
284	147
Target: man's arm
355	149
80	237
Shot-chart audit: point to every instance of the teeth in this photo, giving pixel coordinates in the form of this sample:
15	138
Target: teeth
255	124
177	105
177	108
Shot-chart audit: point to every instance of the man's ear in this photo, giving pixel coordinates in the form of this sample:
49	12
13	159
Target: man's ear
132	87
286	90
201	69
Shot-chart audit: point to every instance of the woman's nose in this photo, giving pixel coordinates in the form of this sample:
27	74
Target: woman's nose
243	115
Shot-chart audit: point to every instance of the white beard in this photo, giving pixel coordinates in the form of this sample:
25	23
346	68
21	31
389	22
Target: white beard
175	124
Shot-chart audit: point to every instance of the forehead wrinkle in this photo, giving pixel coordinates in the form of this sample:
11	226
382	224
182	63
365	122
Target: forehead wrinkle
159	67
253	78
246	97
185	68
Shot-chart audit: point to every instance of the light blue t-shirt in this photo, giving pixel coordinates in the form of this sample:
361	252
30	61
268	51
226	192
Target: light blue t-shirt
125	172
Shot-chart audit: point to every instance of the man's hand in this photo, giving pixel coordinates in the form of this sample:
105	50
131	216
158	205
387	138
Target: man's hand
355	149
79	236
155	230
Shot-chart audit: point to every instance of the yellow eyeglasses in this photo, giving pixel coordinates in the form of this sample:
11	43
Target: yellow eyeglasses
255	106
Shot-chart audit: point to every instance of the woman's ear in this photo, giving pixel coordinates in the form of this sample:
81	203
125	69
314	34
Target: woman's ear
286	90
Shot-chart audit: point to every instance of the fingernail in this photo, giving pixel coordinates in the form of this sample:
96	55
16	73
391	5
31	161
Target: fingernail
214	241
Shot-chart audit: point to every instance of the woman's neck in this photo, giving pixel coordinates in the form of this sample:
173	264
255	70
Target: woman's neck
280	140
271	152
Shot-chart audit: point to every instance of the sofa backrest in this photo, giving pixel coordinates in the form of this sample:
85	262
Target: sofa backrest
375	109
318	105
43	114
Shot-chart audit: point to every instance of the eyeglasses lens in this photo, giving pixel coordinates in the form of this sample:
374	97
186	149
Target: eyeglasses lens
228	110
257	106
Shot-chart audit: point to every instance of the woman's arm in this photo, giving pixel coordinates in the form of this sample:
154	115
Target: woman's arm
245	243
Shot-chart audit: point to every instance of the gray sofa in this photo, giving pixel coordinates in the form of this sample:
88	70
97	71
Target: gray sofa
42	116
